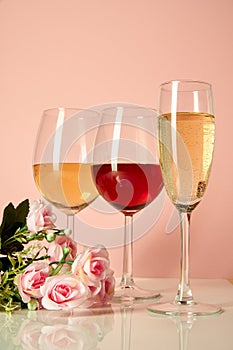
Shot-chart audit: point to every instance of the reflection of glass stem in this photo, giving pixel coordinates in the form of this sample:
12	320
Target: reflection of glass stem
126	318
70	223
184	326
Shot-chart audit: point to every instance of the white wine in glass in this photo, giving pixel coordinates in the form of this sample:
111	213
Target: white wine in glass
62	159
186	145
68	186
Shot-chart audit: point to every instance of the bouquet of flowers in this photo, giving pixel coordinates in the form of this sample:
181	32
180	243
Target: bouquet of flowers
40	266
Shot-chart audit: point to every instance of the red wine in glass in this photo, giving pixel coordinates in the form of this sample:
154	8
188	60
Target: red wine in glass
130	187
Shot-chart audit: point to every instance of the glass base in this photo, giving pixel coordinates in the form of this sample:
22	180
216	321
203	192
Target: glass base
124	293
186	310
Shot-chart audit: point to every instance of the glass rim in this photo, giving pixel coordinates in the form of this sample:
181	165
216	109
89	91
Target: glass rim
136	107
78	109
185	81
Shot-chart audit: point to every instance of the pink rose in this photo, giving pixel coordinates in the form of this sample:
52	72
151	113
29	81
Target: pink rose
92	265
63	292
30	281
55	250
107	288
40	216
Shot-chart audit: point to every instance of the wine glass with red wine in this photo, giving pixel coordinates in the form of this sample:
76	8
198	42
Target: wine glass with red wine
127	175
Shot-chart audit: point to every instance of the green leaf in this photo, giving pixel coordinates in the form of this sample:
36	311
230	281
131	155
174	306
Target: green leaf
5	277
13	219
21	212
12	261
8	221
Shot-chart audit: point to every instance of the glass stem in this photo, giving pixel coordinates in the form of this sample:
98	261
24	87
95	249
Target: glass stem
70	223
184	327
184	294
127	275
126	319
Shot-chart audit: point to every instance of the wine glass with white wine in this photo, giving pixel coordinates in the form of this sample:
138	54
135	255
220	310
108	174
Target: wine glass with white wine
186	144
62	159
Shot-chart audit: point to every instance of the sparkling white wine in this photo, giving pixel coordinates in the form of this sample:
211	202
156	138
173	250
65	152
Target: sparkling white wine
186	143
68	186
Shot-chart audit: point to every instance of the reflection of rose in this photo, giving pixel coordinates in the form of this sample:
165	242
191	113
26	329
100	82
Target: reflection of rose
28	335
69	337
40	216
53	317
63	292
100	321
65	329
30	281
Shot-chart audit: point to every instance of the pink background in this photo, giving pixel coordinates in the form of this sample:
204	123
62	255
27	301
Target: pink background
83	53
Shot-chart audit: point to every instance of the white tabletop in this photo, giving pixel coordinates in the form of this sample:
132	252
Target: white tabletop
118	327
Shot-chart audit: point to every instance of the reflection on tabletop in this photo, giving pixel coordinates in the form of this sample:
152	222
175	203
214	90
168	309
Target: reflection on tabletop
82	329
124	326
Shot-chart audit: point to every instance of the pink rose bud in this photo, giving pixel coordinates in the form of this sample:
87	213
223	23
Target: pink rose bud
40	216
56	248
50	237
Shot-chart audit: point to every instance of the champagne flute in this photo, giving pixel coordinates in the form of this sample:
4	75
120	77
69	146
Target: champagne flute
186	144
62	159
127	175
